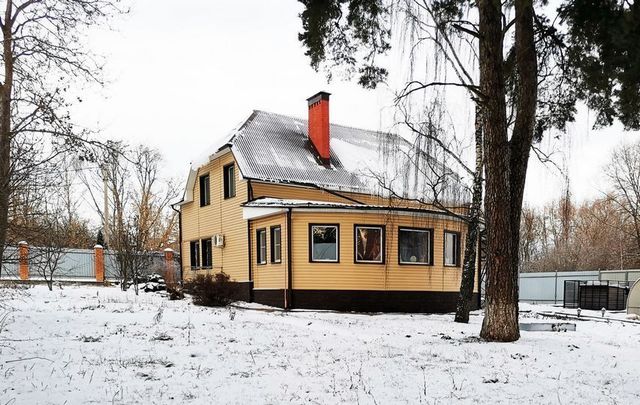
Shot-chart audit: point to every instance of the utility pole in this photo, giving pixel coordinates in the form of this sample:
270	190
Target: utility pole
105	209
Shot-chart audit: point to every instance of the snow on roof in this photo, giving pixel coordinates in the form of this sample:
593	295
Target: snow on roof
275	148
269	202
279	202
206	155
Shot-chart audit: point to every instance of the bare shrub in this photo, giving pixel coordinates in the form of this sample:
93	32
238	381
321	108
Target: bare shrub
213	290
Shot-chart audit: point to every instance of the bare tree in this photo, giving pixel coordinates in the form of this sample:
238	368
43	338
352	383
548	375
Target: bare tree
131	257
443	49
600	236
624	174
138	199
472	242
152	197
42	54
46	257
140	227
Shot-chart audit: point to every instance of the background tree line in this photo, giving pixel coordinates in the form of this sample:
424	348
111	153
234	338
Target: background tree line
600	234
49	163
66	209
70	200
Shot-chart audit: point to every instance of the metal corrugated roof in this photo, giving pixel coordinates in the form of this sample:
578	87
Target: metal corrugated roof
274	147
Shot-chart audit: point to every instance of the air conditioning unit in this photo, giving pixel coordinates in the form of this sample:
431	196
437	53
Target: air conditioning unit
218	240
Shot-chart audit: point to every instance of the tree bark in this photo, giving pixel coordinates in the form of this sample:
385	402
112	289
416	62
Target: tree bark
506	161
5	127
501	314
471	244
526	63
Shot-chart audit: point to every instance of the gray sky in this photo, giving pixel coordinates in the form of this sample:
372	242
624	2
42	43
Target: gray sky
183	76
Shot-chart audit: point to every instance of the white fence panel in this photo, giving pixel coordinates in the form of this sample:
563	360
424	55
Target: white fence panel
548	287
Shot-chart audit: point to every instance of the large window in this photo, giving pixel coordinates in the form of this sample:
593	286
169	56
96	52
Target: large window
261	245
229	181
414	246
451	248
207	253
369	243
276	244
324	241
194	252
205	193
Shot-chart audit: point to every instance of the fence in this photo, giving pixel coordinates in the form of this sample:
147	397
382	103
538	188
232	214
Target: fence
548	287
10	263
83	265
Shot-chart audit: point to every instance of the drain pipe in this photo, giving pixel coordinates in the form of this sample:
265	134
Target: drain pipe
179	212
288	297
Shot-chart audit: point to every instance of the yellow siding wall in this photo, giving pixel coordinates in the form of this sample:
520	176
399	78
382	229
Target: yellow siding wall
314	194
269	275
225	217
347	275
293	192
220	217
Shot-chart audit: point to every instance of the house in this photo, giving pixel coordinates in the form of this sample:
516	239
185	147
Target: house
308	214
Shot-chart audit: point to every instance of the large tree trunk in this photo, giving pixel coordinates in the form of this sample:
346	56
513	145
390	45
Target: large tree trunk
5	128
501	314
471	244
526	61
506	161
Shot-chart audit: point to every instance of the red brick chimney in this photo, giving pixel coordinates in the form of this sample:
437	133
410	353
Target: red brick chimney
319	133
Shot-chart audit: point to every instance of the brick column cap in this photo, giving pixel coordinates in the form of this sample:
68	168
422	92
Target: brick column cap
168	250
98	247
23	243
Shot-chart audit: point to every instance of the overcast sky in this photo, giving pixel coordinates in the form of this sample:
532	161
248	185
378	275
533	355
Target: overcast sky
182	74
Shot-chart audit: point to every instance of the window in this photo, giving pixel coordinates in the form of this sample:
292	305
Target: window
229	181
261	239
451	248
194	250
323	243
207	253
205	193
369	244
414	246
276	244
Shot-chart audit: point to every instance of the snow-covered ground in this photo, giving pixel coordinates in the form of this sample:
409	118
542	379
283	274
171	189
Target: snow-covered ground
100	345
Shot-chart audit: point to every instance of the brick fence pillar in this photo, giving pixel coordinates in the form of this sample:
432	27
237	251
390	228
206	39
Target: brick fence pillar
98	263
23	260
169	276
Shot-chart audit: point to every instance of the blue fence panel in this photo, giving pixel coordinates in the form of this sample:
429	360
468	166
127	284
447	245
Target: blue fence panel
10	269
73	264
111	271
